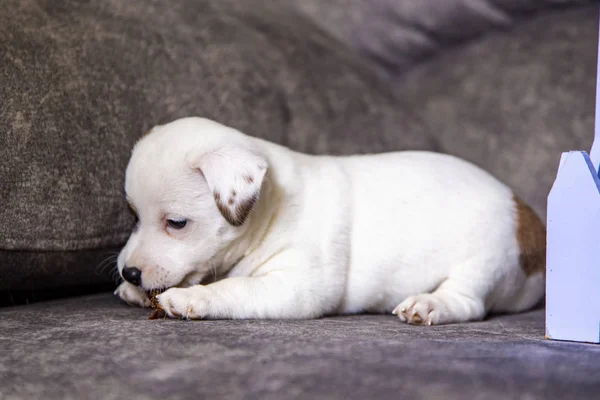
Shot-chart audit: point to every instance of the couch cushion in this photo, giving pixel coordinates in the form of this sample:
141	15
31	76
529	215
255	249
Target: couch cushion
397	34
512	102
97	347
81	81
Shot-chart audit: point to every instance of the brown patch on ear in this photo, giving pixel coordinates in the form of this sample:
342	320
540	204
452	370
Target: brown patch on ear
222	207
249	179
531	235
243	209
235	215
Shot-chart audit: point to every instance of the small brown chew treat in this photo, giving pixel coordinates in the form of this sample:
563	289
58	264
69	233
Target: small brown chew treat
158	310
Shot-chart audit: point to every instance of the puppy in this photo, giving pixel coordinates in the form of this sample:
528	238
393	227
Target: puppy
278	234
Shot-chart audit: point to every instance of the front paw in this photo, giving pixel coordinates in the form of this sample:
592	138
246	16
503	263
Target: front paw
423	309
188	303
132	295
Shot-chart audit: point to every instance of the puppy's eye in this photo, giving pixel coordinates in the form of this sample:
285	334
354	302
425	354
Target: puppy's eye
177	223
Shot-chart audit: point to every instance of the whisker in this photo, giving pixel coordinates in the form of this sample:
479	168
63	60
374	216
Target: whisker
112	258
213	268
116	276
102	268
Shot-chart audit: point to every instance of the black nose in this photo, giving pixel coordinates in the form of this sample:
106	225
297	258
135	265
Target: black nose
132	275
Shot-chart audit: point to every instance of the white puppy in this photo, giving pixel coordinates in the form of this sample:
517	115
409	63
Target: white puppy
279	234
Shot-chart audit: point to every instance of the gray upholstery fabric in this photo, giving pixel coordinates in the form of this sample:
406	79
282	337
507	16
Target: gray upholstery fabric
34	270
98	348
513	102
397	34
81	81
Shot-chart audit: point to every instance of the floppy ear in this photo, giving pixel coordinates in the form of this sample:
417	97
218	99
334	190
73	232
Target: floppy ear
234	176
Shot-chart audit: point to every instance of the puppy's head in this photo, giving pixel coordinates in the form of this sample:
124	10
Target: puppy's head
193	185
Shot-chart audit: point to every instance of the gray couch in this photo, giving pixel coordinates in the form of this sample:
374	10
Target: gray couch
506	84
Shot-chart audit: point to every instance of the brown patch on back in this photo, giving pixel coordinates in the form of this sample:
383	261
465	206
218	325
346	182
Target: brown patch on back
531	235
132	208
147	133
